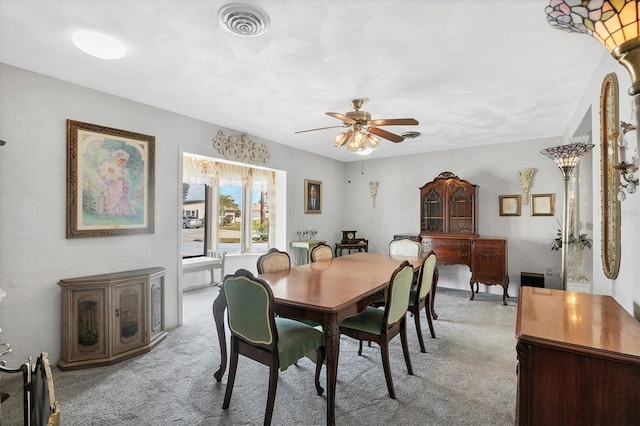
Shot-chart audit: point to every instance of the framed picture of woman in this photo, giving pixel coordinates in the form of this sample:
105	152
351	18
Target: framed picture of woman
110	181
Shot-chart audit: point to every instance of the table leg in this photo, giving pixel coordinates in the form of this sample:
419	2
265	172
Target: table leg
332	346
219	305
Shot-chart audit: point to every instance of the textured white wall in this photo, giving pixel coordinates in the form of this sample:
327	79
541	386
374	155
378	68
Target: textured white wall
34	253
494	169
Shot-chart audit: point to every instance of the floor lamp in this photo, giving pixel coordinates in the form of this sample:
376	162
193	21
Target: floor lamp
566	158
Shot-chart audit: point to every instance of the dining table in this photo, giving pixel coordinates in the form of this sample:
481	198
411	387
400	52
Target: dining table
326	292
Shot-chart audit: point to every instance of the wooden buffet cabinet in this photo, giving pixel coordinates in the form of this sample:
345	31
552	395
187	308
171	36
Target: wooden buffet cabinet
111	317
578	360
448	227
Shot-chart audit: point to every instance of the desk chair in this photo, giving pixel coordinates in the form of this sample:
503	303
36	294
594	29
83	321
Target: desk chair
420	296
273	260
321	252
380	326
259	335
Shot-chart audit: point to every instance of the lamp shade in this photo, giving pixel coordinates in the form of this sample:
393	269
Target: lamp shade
611	22
567	156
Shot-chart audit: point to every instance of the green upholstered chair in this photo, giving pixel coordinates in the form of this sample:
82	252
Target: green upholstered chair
321	252
258	334
382	325
274	260
420	296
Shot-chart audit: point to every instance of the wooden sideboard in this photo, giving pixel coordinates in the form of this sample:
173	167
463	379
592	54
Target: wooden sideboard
448	227
111	317
578	360
487	258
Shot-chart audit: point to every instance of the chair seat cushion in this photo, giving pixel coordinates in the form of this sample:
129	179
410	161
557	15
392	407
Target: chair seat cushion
295	340
369	320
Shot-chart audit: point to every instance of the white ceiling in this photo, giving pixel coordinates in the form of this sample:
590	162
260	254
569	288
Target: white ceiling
471	72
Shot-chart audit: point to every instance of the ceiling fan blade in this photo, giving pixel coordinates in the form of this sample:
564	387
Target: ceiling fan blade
341	117
395	122
320	128
384	134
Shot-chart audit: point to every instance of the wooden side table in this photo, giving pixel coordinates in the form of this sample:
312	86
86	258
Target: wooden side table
359	244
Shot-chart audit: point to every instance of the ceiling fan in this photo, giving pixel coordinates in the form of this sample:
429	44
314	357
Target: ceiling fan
362	128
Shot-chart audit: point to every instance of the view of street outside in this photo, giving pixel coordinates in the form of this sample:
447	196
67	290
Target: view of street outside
193	242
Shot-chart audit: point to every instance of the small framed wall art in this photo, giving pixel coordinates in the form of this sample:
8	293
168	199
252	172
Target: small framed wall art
542	204
510	205
312	196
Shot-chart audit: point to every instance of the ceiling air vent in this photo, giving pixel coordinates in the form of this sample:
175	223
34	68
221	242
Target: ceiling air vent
410	135
243	20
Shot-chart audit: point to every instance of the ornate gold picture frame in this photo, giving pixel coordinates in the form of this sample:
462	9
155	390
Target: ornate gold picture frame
542	204
510	205
610	177
110	181
312	196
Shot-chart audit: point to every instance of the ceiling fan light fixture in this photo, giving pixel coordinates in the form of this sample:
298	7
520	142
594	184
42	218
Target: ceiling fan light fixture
372	140
342	138
357	142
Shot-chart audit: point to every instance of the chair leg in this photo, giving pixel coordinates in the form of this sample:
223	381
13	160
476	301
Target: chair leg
427	303
405	345
384	351
233	366
416	317
360	348
320	354
271	396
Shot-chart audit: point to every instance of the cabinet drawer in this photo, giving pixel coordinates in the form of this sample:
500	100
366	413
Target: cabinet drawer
448	250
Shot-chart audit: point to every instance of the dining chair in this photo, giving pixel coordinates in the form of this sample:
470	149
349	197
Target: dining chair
258	334
405	247
321	252
382	325
40	406
274	260
420	296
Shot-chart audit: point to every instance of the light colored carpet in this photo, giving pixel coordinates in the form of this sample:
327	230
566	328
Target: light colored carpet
467	377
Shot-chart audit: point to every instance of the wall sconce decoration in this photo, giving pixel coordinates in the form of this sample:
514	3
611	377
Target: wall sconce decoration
626	169
373	187
525	180
241	148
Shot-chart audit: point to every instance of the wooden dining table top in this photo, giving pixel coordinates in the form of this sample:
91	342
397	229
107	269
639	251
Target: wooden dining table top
330	285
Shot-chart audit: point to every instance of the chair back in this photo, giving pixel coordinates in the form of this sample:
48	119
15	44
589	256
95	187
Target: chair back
250	309
398	293
321	252
274	260
427	273
405	247
45	410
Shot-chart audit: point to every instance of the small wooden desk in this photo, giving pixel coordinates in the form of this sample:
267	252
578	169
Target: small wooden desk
578	360
307	245
327	292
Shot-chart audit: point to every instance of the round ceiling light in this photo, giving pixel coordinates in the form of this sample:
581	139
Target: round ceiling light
99	45
410	135
243	20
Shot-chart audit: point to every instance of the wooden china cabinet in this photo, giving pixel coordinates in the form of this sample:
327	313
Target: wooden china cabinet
448	226
111	317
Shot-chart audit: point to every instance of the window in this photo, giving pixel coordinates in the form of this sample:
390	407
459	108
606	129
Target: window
234	205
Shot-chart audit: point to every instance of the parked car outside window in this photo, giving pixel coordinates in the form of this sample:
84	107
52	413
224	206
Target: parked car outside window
191	222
